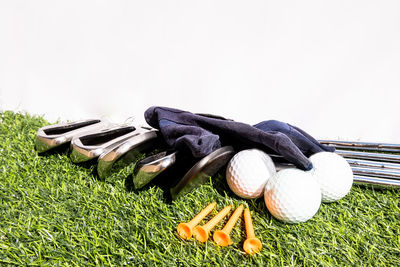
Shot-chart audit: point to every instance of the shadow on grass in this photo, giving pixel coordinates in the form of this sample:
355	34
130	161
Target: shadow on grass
167	179
222	187
64	151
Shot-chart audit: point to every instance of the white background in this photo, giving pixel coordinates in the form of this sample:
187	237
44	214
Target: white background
329	67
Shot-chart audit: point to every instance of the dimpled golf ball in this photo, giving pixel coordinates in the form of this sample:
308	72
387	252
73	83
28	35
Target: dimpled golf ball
333	174
248	172
292	195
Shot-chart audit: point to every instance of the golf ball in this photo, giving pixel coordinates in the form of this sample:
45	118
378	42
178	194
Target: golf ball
248	172
333	174
292	195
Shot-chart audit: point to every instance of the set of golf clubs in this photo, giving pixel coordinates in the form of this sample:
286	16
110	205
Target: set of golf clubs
375	164
110	143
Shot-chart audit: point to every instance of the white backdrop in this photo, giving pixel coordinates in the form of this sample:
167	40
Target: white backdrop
329	67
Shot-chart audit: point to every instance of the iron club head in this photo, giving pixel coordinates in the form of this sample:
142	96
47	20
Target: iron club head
52	136
201	171
150	167
87	147
141	140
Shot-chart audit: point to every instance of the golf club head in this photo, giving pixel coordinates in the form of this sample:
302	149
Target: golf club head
90	146
150	167
140	141
52	136
202	170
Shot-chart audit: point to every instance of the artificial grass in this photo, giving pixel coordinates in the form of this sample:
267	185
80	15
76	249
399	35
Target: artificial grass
54	212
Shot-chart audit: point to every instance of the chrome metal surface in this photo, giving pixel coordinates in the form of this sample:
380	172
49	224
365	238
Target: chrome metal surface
281	166
139	140
376	181
201	171
87	147
384	147
373	164
149	168
369	156
52	136
376	173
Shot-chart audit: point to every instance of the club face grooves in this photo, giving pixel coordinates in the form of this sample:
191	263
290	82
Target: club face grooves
52	136
129	150
104	137
68	127
96	144
149	168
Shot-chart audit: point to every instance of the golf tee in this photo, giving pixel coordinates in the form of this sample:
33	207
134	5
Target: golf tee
185	229
221	237
201	232
252	244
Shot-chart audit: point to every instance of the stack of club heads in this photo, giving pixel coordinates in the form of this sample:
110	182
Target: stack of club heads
52	136
183	171
97	140
108	143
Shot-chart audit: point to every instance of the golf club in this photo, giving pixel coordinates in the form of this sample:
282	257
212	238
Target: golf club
383	147
51	136
150	167
90	146
376	173
376	181
369	156
371	168
202	170
373	164
140	141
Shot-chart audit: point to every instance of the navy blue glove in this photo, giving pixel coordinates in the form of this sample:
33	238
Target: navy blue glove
305	142
202	134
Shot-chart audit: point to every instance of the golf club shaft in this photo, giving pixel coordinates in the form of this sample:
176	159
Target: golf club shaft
376	169
383	147
376	173
369	156
376	181
373	164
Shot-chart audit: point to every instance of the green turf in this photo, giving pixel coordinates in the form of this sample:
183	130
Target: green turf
54	212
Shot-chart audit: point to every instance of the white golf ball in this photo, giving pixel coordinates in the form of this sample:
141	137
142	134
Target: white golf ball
292	195
333	174
248	172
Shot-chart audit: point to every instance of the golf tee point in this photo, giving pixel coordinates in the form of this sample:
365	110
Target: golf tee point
252	244
201	232
185	229
221	237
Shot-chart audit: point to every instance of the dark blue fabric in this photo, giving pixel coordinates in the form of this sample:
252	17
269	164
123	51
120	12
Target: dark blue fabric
305	142
202	134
